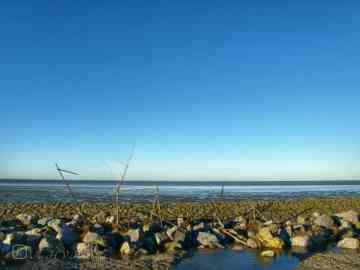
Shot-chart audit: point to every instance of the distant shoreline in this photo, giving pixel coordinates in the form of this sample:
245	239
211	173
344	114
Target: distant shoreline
196	183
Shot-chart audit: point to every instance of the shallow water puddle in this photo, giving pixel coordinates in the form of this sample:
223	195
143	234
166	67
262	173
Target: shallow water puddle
243	260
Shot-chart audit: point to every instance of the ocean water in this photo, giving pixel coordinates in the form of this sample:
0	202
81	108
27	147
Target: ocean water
15	190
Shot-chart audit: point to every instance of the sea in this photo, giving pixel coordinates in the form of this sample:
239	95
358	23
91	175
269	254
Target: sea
21	190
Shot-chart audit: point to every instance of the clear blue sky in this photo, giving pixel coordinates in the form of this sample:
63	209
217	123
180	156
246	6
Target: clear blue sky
235	90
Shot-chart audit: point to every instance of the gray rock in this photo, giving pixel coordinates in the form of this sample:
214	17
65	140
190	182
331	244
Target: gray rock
208	240
349	243
324	221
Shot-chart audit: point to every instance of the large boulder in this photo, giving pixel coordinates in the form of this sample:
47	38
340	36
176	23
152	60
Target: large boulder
349	243
64	233
349	216
268	240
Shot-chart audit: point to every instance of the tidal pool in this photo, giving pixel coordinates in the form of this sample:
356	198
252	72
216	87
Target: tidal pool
243	260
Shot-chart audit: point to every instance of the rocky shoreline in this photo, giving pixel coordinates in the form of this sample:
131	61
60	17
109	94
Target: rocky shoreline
86	236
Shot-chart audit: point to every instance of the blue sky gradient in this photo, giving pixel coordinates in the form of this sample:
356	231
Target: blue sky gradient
242	90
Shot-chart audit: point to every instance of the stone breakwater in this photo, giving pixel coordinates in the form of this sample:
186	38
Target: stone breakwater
71	236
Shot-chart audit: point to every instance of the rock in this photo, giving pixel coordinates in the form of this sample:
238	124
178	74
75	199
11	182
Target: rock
301	220
43	221
100	217
268	223
349	243
179	236
2	236
94	238
349	216
199	226
110	219
125	248
161	237
237	247
149	243
180	221
240	220
268	253
99	229
27	219
33	236
50	246
171	231
4	248
15	238
268	240
134	234
300	241
208	240
251	243
64	233
172	246
83	250
324	221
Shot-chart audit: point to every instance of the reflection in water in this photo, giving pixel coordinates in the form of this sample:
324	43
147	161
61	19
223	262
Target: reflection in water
245	259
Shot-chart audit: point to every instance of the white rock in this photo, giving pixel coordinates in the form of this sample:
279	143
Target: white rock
300	241
349	243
